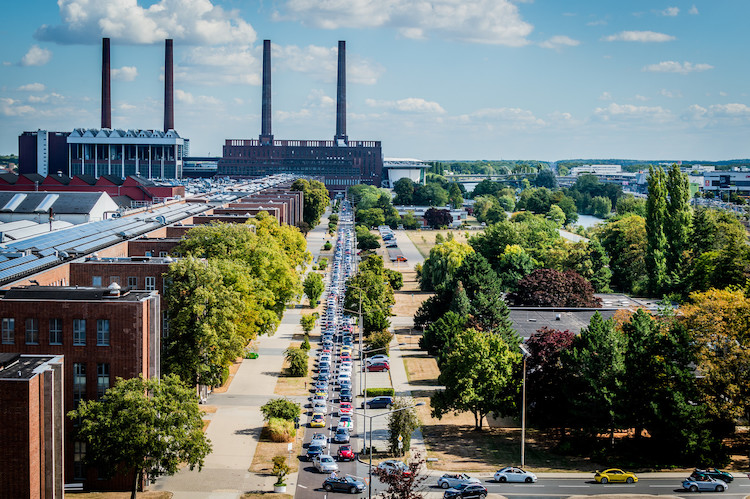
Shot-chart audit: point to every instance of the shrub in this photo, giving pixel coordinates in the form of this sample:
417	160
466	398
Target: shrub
327	246
322	263
281	430
280	469
379	341
297	359
305	344
280	408
377	392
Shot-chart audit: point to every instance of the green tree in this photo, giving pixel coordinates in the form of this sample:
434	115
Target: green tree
297	359
395	279
313	287
443	261
307	321
409	221
379	340
631	204
439	335
556	214
430	195
404	189
402	424
371	217
545	178
487	309
315	199
478	377
144	427
507	203
677	226
600	206
280	408
624	240
656	206
454	196
514	264
370	285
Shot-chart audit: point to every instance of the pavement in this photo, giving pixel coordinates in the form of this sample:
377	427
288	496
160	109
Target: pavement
408	249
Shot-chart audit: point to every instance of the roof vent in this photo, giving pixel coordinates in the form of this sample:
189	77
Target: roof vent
14	202
113	289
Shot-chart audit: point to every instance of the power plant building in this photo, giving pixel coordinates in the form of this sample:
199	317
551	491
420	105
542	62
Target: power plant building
338	163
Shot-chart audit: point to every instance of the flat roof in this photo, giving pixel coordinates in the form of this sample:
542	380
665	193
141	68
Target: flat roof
71	293
17	366
527	321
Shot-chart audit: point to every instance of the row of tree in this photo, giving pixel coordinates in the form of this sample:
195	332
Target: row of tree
314	203
436	192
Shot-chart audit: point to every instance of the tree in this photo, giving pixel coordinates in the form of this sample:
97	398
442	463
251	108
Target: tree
545	178
403	485
454	196
438	218
624	240
477	374
514	264
552	288
371	217
307	321
315	199
313	287
487	209
409	221
556	214
404	189
430	195
379	340
720	253
297	359
548	406
280	408
442	263
370	285
280	469
677	226
487	308
402	424
395	279
439	335
366	240
591	261
631	204
507	203
145	427
600	206
656	207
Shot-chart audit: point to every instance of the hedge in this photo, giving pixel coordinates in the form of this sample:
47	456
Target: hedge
281	430
377	392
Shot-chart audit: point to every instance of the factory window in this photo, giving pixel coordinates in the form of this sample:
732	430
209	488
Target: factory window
96	281
79	332
79	468
55	331
102	332
132	282
79	383
9	329
102	379
150	283
32	331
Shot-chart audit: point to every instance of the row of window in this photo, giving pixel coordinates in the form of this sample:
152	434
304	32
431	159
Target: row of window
150	285
79	381
55	331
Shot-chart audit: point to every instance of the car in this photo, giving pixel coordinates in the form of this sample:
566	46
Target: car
378	358
345	383
341	436
394	466
319	406
324	463
614	475
313	451
345	408
318	421
319	439
321	392
724	476
378	367
466	491
345	453
382	402
513	474
345	395
449	480
322	398
701	483
321	385
345	422
344	484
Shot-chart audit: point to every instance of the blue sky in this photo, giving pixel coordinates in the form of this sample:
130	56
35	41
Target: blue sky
431	79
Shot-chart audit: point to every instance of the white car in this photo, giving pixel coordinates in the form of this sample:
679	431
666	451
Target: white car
325	463
319	406
319	439
393	466
378	358
449	480
513	474
344	376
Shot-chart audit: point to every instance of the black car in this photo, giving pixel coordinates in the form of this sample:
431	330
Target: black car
382	402
341	436
713	473
313	451
466	490
344	484
345	395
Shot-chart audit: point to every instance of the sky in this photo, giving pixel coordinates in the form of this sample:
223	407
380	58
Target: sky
431	79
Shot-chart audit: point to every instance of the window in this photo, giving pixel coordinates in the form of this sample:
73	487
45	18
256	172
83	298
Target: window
96	281
102	379
79	383
150	283
79	452
55	331
133	282
164	325
9	331
162	254
79	332
32	331
102	332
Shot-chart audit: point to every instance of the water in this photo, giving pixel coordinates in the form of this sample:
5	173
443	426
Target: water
588	221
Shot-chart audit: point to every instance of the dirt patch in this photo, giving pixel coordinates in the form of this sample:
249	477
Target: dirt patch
232	371
119	495
266	450
421	369
409	298
208	409
265	495
424	240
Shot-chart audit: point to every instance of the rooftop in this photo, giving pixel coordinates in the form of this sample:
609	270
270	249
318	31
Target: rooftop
73	293
17	366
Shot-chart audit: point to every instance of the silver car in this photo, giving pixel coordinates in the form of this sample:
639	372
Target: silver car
450	480
704	483
324	463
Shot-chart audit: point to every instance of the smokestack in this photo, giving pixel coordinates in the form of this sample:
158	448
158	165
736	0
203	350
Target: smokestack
168	86
106	90
341	95
266	136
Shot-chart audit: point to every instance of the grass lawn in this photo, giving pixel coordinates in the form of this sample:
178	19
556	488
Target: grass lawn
424	240
266	450
289	386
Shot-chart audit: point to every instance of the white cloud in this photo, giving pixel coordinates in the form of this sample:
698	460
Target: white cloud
671	95
36	56
408	105
638	36
514	118
126	107
125	73
11	107
734	113
670	11
641	98
318	99
231	64
34	99
32	87
605	96
677	67
477	21
559	41
598	22
616	111
195	22
321	63
185	97
693	10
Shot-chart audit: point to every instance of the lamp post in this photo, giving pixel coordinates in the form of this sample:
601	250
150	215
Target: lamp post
525	354
369	473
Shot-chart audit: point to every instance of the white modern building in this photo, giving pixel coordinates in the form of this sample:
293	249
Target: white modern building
596	170
395	169
72	207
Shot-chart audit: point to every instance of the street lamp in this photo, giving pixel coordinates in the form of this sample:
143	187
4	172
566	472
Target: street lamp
525	354
369	473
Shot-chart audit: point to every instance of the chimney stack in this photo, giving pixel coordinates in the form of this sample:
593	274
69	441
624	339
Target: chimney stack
106	89
341	96
266	136
168	86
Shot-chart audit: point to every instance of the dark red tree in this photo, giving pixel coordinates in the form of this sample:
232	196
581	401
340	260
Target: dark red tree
404	484
552	288
438	218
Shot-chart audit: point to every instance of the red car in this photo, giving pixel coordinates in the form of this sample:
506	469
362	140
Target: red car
345	408
345	453
346	357
378	367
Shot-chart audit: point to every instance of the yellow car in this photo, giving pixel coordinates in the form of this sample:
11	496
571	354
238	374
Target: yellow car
321	393
318	421
346	351
615	475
